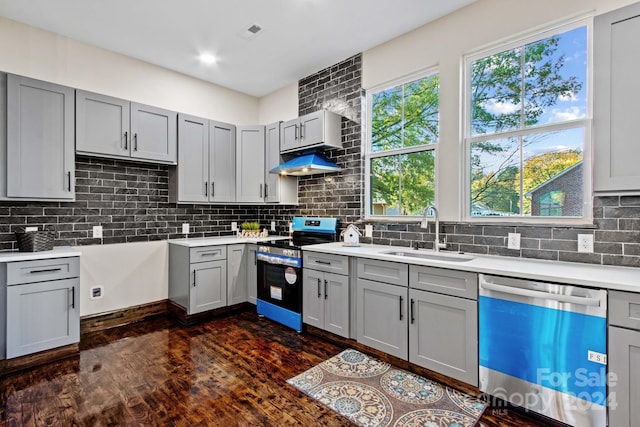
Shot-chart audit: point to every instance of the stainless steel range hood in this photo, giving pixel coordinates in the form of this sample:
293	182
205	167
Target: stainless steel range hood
306	164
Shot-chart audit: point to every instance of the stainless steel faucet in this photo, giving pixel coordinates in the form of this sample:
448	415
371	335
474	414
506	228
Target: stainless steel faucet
425	224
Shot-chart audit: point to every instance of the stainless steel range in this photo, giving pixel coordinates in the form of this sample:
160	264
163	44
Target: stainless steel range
280	269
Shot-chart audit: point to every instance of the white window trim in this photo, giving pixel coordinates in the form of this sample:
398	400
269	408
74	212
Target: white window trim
466	139
368	154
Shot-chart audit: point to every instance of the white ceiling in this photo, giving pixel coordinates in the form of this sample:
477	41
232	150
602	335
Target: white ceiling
299	37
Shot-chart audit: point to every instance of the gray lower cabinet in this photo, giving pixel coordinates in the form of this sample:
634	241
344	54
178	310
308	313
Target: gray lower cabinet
325	301
443	334
624	359
236	274
42	304
206	162
116	128
382	313
252	274
198	277
37	156
616	90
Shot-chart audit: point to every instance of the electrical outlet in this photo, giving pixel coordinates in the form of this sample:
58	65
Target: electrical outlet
368	230
185	228
234	226
585	243
273	226
97	232
513	241
96	292
29	229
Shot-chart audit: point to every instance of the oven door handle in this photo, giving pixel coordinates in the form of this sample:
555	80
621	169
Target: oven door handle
591	302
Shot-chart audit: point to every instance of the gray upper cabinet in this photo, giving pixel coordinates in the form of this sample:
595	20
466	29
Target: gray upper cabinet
37	151
250	172
222	162
616	110
116	128
206	162
318	129
278	189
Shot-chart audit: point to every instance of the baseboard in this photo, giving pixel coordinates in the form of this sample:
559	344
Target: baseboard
179	314
125	316
8	366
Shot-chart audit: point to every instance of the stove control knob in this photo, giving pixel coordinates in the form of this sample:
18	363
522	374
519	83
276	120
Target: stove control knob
287	252
263	249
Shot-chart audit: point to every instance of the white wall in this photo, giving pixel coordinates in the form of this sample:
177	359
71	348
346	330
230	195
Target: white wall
279	105
443	43
131	274
42	55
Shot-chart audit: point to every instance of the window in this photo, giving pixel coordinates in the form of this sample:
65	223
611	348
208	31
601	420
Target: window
400	150
527	129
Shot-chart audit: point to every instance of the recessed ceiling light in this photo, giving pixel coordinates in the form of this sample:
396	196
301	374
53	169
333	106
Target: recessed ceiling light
207	58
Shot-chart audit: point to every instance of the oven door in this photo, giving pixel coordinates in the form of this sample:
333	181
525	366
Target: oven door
280	284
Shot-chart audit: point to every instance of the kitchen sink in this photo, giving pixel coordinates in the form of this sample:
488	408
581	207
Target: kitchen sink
436	256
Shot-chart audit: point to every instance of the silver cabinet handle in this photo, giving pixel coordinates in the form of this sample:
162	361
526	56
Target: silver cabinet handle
135	141
126	140
301	134
326	294
319	261
210	253
47	270
400	308
296	133
319	294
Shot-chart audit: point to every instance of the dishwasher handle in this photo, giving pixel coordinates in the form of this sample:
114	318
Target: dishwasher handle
591	302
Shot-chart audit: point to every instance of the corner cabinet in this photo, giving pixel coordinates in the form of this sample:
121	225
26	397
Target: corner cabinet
42	304
616	91
325	292
37	150
321	128
206	162
116	128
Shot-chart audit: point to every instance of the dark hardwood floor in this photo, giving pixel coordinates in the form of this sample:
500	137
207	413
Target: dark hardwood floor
228	371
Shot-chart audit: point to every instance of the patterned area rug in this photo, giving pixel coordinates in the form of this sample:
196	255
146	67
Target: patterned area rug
373	393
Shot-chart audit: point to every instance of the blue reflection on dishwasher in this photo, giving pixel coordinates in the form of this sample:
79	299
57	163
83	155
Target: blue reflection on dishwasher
544	346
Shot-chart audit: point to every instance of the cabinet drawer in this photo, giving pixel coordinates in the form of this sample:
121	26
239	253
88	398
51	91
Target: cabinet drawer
383	271
338	264
449	282
624	309
42	270
207	253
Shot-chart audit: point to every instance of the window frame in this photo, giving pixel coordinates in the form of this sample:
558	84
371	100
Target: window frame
368	154
584	123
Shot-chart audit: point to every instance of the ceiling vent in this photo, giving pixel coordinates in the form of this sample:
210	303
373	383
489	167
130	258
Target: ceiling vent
251	32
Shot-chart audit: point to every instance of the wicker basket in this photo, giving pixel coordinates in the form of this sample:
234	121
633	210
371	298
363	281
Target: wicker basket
34	241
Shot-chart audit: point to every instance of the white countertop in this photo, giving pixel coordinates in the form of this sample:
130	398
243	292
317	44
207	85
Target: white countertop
598	276
56	252
221	240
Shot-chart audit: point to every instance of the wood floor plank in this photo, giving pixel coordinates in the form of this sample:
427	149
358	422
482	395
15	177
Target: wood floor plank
227	371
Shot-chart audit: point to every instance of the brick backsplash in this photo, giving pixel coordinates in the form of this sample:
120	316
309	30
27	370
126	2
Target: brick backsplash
130	201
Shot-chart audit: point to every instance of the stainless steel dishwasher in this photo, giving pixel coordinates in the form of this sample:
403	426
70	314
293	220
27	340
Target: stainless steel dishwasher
543	347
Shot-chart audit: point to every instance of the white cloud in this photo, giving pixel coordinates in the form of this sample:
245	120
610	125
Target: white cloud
571	113
501	107
569	97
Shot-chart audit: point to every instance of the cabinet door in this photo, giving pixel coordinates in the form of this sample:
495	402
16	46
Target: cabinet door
42	315
102	124
154	133
208	286
624	362
272	154
40	140
312	128
252	274
336	304
313	298
382	317
236	274
289	139
222	162
250	164
443	334
193	159
616	110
